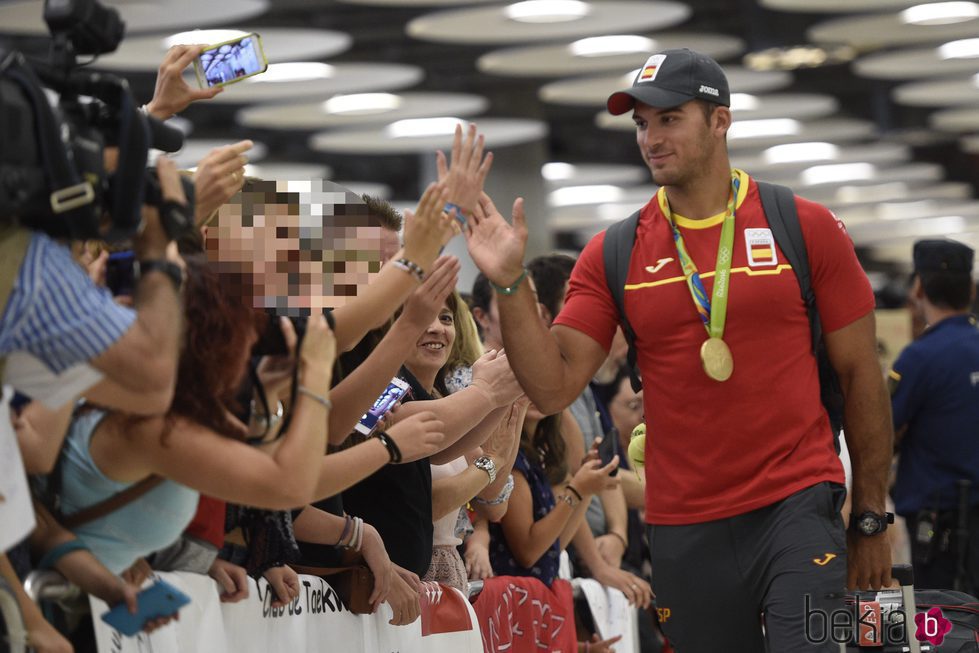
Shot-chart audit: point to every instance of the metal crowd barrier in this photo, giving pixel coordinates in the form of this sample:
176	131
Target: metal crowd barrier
49	585
15	636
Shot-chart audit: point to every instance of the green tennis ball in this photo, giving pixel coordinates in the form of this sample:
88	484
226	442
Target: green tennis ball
637	446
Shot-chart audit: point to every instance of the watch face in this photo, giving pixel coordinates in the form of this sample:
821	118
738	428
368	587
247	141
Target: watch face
868	524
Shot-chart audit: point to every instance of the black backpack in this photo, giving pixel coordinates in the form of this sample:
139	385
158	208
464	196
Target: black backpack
778	203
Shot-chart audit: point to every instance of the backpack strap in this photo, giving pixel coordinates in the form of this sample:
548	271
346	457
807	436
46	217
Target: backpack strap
778	202
617	252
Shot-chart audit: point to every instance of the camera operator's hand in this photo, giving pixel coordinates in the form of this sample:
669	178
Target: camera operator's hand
172	94
424	304
428	227
317	353
419	436
275	372
218	177
151	244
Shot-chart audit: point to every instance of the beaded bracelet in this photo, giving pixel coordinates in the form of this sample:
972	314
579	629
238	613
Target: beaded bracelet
410	267
512	288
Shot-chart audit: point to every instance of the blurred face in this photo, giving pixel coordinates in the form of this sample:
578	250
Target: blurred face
626	408
678	144
433	347
390	244
304	250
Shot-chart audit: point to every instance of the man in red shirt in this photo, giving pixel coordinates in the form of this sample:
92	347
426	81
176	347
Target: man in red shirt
744	486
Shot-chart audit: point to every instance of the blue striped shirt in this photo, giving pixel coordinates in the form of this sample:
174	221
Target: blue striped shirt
56	313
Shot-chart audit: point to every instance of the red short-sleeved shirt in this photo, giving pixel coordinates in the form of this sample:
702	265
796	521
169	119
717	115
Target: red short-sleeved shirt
714	450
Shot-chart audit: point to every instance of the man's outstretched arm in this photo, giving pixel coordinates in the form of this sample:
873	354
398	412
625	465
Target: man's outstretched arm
553	366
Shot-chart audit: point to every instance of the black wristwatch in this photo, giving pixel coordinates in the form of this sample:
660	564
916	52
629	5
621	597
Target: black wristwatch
169	268
870	523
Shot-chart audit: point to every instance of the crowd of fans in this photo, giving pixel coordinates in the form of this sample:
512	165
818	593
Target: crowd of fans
160	432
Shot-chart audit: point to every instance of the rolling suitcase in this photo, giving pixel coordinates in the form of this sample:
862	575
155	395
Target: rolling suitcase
907	621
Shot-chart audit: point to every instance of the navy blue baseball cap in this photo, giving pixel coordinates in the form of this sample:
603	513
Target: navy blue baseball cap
670	78
943	256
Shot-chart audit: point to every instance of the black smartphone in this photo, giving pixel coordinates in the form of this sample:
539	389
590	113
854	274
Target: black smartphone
609	447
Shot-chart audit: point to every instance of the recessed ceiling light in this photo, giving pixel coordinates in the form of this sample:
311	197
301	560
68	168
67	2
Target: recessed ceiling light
743	102
945	224
799	56
839	172
875	193
422	127
557	171
962	49
762	128
202	37
593	194
298	71
606	46
362	104
547	11
798	152
940	13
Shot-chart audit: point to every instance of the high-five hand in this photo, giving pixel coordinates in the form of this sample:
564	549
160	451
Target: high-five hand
497	247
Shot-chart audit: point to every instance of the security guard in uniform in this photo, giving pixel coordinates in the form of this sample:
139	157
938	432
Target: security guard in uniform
935	399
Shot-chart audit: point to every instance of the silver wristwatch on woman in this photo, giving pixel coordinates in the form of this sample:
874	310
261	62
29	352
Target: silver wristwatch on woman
486	464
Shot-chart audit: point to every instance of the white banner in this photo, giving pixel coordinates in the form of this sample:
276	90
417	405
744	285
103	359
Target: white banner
612	613
315	621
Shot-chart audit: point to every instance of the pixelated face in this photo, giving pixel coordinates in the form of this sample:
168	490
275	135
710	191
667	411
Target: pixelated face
306	246
390	244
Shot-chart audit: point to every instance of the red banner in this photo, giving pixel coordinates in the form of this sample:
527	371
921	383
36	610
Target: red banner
521	615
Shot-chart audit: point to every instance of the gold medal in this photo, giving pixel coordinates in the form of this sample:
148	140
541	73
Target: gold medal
717	359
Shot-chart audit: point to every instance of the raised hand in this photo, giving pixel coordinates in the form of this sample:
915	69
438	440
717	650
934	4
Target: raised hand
172	94
592	477
497	247
428	228
418	436
465	175
218	177
424	304
319	346
492	375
